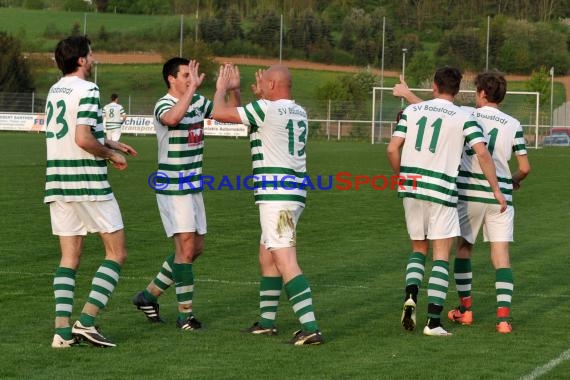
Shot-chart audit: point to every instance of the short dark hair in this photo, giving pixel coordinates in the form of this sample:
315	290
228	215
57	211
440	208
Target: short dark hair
448	79
69	50
171	67
493	83
114	97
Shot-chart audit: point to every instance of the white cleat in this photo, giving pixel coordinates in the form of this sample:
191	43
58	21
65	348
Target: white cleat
436	331
59	342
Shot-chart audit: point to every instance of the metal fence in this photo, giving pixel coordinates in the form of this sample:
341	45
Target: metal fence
330	120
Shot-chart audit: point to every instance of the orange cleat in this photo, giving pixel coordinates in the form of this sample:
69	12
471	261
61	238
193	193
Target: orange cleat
465	318
504	327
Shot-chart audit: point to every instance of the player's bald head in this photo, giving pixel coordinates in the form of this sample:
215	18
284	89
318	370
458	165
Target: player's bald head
280	74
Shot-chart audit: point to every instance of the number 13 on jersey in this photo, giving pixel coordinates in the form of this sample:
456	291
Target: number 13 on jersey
292	128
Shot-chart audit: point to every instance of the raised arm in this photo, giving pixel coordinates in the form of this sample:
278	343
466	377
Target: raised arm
173	116
403	91
223	110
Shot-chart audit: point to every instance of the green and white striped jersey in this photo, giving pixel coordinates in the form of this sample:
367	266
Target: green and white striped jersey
72	174
113	114
278	133
434	132
504	136
181	148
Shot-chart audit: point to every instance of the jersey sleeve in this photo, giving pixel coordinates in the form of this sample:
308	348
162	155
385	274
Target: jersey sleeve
519	146
253	114
88	110
402	127
163	106
473	132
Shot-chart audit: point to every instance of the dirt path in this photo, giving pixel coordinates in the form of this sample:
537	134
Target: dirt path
295	64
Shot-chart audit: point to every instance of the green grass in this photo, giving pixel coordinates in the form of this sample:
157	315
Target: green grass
30	26
352	246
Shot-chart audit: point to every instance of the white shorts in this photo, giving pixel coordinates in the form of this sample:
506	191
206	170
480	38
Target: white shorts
182	213
78	218
279	224
431	220
497	225
113	134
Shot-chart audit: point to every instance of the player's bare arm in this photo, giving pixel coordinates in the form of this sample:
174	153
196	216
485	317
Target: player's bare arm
394	152
86	141
256	88
127	149
183	87
403	91
488	168
234	95
522	171
222	110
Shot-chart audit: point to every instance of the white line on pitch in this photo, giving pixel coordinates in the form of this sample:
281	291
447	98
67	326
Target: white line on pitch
314	284
539	371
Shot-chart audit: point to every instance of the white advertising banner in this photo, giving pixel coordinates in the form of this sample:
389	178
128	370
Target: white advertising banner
133	125
216	128
138	125
23	122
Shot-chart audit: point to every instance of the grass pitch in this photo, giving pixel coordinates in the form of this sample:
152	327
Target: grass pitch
352	246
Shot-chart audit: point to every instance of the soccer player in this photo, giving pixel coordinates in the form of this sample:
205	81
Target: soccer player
179	123
278	130
478	208
78	193
428	142
476	205
114	116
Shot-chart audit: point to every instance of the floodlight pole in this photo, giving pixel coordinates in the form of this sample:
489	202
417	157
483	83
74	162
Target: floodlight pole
281	39
487	53
404	50
551	96
181	34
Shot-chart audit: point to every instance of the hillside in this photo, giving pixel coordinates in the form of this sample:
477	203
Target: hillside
118	58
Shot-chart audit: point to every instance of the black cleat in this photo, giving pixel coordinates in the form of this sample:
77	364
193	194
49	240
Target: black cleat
409	314
302	338
150	309
188	323
91	335
257	329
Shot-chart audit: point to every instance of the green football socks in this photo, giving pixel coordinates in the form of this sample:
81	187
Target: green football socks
299	294
269	293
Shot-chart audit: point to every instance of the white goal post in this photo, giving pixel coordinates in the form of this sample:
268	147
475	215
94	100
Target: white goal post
379	120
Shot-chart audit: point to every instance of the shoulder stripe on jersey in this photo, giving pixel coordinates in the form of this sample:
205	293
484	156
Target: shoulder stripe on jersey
258	110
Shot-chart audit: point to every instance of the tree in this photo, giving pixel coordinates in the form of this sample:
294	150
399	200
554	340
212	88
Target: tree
539	82
197	50
15	73
420	69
